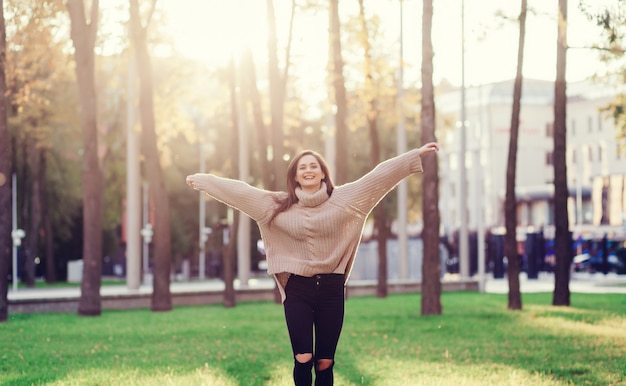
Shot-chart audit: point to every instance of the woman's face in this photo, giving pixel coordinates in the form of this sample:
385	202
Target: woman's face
309	173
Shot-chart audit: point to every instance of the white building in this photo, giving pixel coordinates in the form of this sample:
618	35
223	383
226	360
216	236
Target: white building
596	169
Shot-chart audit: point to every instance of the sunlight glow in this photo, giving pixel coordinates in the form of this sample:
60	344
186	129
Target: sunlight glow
212	31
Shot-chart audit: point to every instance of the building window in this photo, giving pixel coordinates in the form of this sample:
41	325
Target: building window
590	124
600	153
599	122
550	130
590	155
574	156
549	158
573	124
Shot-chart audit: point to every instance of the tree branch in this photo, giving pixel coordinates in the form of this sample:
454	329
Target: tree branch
616	50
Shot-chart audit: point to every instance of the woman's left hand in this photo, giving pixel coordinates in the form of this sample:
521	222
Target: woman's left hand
431	147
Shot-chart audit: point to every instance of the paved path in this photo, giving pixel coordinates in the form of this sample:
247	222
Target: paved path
580	282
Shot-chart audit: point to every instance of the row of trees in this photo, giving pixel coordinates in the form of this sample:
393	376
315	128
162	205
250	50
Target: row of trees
63	115
43	125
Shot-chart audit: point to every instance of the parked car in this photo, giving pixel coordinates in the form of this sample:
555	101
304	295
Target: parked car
586	262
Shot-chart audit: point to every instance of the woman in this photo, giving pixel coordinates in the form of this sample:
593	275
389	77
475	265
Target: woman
311	234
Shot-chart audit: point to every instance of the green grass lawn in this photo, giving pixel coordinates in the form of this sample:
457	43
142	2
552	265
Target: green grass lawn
384	342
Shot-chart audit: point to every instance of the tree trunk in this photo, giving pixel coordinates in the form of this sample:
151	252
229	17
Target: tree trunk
382	234
562	237
380	216
161	296
510	213
341	131
431	267
6	243
257	114
275	176
51	272
34	215
84	36
277	86
230	253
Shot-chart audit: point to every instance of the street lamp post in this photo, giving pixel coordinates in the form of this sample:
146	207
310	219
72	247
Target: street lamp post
463	234
401	148
203	231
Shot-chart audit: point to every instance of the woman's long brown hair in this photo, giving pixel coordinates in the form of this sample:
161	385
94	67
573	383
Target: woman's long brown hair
284	204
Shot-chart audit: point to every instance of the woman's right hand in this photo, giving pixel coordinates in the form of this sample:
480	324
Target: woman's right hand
431	147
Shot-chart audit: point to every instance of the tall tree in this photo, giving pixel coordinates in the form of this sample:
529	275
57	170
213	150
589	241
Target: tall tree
510	213
51	274
263	134
33	70
277	86
380	215
83	35
562	237
431	267
31	246
5	180
274	177
341	103
161	296
230	250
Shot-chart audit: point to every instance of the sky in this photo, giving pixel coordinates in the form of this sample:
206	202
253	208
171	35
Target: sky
210	31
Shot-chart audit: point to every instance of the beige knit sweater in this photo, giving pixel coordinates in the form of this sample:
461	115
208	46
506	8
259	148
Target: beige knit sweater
319	234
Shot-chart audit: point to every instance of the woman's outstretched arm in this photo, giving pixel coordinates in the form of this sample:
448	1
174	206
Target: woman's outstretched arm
364	193
256	203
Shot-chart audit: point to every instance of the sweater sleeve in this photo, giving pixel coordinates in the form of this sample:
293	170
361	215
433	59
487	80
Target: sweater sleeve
257	203
364	193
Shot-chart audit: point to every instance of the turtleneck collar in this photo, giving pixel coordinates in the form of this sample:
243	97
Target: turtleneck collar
312	199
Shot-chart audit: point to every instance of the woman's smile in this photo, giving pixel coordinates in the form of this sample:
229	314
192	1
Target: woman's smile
309	173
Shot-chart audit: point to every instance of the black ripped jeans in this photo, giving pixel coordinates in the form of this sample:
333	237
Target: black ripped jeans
314	311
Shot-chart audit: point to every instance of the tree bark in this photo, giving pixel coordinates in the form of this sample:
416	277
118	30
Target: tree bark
51	272
341	131
431	267
6	243
380	216
230	251
510	213
83	34
33	216
257	115
276	101
562	237
230	255
161	296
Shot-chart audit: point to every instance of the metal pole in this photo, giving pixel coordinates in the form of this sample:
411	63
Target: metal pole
463	242
243	236
579	187
401	148
146	235
202	226
133	226
480	200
